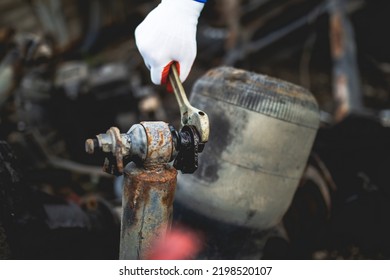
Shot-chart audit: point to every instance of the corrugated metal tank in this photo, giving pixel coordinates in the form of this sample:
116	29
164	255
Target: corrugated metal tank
261	133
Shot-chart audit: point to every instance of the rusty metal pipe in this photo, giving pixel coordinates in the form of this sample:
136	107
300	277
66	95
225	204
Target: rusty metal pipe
148	192
149	186
347	89
147	206
149	182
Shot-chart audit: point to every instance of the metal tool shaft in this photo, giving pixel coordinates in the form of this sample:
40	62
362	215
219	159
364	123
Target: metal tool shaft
180	94
147	206
189	114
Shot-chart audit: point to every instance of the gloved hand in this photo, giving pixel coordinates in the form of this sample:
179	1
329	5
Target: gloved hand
168	34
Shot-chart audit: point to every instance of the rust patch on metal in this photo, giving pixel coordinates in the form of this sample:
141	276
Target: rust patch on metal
89	146
161	137
341	97
148	133
337	35
106	166
160	143
142	182
147	208
119	147
138	185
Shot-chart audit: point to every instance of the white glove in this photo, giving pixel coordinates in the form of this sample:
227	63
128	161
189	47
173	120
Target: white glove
168	34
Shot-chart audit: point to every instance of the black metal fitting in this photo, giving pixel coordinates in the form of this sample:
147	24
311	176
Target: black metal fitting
188	147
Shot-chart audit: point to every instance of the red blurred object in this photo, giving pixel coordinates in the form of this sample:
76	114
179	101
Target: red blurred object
179	244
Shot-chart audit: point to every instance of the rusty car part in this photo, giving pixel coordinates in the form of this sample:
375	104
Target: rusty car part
147	144
262	131
347	89
147	205
149	182
160	145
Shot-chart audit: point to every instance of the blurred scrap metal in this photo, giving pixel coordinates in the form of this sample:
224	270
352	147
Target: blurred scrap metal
74	81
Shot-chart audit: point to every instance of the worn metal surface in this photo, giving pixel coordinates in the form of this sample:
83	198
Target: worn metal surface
147	201
149	182
148	143
347	90
111	142
159	143
262	130
139	142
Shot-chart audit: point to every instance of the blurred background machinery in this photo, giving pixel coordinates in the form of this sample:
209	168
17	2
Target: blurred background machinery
70	70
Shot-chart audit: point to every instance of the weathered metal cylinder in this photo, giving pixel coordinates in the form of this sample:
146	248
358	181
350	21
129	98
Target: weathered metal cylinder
261	133
147	206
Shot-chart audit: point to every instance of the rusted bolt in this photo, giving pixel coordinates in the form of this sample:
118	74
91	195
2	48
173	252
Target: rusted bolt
91	145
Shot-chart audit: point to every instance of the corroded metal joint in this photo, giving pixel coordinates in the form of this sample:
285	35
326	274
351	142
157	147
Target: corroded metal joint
148	144
147	205
160	147
111	141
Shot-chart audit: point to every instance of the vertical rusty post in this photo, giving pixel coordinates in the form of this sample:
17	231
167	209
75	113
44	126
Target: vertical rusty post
346	82
149	181
148	193
147	208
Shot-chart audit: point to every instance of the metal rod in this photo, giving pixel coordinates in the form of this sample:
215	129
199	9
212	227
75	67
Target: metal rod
346	80
147	205
179	91
148	192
